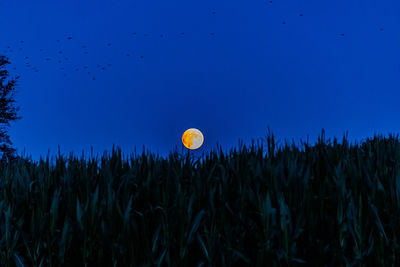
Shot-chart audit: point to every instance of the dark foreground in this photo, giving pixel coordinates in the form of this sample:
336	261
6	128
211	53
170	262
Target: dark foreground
326	205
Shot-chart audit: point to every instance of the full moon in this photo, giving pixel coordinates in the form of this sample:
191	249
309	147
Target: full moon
192	138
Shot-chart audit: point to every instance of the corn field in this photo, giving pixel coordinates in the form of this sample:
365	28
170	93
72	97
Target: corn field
329	204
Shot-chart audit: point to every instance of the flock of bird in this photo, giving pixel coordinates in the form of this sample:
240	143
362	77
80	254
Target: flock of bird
62	58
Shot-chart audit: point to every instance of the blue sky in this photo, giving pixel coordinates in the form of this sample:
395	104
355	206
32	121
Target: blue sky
229	68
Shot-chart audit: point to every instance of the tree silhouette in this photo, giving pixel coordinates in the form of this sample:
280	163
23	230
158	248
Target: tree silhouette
8	112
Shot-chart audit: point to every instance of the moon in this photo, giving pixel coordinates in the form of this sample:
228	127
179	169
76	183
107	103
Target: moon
192	138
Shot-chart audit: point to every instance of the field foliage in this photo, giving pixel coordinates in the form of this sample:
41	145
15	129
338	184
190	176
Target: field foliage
328	204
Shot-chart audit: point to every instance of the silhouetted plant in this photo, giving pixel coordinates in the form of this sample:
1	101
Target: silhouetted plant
327	205
8	112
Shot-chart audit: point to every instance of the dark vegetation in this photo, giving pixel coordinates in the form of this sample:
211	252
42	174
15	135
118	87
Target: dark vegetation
329	204
8	112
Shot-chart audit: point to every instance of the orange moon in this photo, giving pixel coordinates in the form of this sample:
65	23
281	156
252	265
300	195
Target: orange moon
192	138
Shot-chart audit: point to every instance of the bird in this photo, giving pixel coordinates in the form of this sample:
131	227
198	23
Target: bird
102	68
134	33
69	38
214	12
300	15
86	52
182	33
109	44
48	59
283	22
211	33
381	29
341	34
83	46
60	52
127	54
141	56
57	41
94	78
161	35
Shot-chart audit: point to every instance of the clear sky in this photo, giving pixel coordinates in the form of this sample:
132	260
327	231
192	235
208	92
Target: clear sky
229	68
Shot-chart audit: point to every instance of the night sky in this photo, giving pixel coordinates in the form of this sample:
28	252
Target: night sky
139	73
